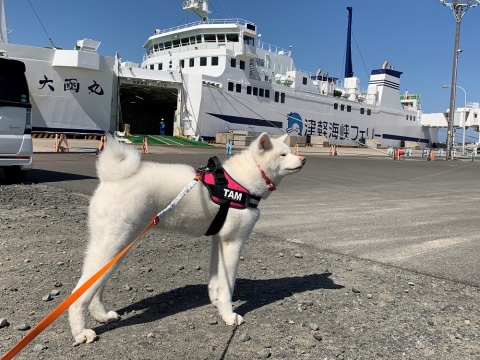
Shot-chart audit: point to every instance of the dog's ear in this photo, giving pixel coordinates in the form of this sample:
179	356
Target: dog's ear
264	141
283	138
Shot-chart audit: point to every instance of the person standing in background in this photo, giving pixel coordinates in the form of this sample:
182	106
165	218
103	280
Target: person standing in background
162	127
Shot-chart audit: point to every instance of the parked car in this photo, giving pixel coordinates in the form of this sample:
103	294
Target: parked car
16	148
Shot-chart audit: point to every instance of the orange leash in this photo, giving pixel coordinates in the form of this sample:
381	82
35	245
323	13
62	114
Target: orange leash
71	299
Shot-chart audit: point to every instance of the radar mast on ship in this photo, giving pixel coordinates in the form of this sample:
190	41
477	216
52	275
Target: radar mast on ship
199	8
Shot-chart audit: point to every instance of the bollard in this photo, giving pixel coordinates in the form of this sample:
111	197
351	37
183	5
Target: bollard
389	151
228	147
454	152
440	152
474	153
424	152
409	152
295	151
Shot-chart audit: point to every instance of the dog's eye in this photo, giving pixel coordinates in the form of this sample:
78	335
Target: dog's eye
283	154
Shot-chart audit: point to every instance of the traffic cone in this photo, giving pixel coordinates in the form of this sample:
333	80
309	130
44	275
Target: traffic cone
431	156
58	147
101	146
144	145
333	150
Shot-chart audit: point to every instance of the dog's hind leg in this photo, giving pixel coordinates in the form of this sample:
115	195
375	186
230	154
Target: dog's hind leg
99	252
97	307
213	276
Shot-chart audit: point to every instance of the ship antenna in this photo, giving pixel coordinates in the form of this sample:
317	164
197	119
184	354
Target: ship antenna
49	38
348	59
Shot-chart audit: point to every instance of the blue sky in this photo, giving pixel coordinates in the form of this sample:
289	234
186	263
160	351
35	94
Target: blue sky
417	36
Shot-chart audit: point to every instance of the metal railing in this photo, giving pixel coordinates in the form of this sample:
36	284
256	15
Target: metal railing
211	21
273	48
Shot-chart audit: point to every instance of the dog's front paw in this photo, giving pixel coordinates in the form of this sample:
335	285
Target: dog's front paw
233	319
87	335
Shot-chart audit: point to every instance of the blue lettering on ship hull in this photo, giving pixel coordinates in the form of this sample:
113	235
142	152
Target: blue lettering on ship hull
331	130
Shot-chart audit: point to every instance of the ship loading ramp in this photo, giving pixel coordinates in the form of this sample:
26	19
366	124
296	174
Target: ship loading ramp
147	97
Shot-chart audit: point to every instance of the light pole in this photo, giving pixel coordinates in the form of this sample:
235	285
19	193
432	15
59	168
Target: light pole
464	115
459	8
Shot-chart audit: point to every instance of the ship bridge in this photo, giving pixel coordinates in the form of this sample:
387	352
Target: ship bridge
147	97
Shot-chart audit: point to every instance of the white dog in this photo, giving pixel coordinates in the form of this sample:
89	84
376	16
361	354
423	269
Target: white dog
131	192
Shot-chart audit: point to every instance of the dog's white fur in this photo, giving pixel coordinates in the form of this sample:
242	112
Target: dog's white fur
131	192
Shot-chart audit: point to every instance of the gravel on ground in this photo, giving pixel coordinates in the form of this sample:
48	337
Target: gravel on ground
298	302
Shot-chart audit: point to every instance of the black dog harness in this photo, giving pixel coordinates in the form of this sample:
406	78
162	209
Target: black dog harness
224	191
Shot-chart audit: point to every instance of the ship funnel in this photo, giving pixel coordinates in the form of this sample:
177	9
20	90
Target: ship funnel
384	65
348	52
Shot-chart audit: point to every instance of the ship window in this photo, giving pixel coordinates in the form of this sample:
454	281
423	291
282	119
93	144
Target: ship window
214	60
232	37
182	63
242	64
160	66
210	38
342	107
255	91
191	62
230	86
238	88
221	38
185	41
160	46
304	81
192	39
335	106
349	108
203	61
248	40
474	116
155	47
199	39
267	93
282	98
176	43
413	118
369	111
152	67
249	90
261	92
168	44
233	62
362	111
277	96
407	117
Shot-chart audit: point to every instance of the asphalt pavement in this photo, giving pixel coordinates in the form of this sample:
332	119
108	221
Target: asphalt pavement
412	214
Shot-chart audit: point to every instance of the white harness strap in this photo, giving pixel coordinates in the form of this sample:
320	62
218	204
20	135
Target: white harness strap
175	201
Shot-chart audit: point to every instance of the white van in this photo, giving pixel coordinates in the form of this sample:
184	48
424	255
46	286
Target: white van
16	148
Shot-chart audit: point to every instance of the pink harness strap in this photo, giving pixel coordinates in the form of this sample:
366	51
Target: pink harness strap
207	178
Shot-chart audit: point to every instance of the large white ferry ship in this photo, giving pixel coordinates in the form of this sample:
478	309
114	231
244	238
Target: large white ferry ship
214	76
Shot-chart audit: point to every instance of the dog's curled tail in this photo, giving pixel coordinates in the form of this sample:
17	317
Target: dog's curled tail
117	161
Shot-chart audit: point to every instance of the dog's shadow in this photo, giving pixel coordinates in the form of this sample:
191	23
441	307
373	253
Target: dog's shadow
255	293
